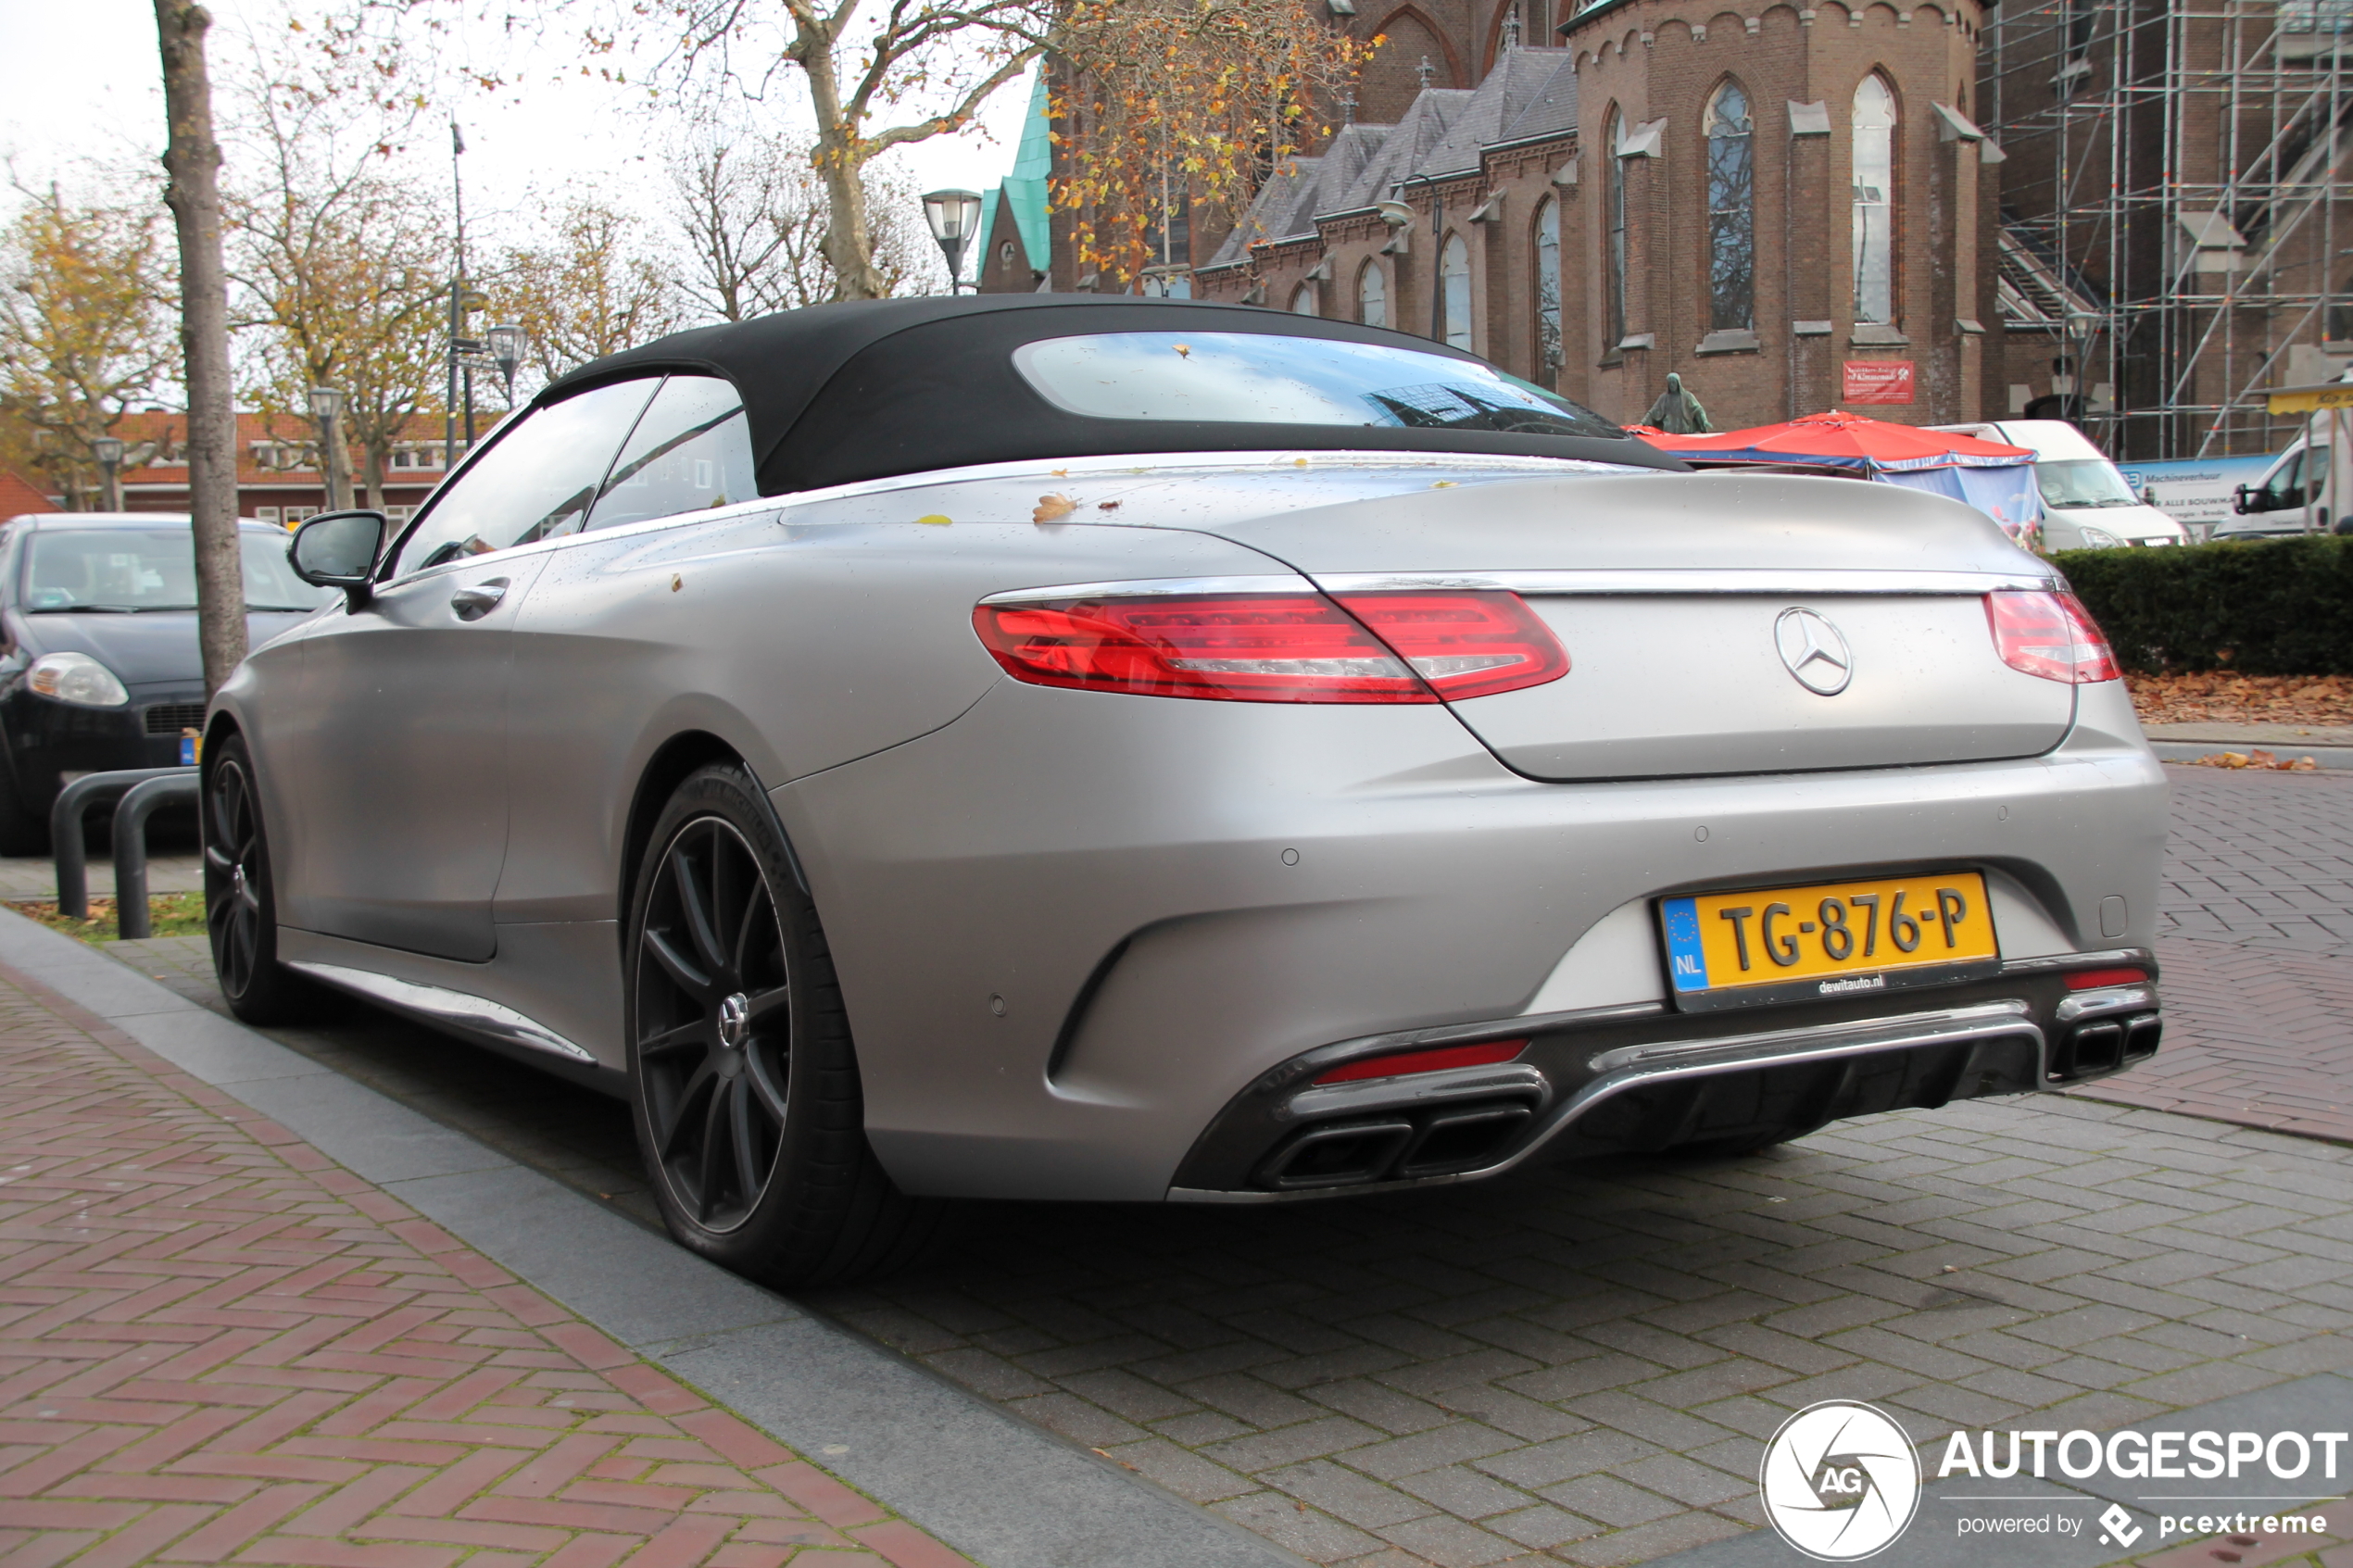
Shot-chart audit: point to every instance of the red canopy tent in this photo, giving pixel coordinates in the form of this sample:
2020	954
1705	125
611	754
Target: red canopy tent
1998	480
1849	442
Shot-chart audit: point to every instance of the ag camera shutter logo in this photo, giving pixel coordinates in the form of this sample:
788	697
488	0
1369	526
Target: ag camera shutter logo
1839	1481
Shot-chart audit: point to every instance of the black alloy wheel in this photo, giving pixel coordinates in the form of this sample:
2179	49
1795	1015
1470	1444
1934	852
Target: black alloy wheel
714	1030
241	907
743	1080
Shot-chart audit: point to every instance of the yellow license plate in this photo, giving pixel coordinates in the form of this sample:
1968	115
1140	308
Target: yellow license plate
1831	940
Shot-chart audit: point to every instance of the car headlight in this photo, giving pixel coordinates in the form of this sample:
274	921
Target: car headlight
2100	539
77	678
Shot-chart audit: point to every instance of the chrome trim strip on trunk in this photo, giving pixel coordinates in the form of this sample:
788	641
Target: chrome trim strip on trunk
438	1003
1599	583
1775	581
1154	587
1631	1066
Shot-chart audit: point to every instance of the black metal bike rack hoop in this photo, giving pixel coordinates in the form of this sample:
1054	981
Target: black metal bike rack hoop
135	804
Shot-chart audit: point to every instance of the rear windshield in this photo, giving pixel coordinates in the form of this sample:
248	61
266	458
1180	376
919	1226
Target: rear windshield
1252	378
149	569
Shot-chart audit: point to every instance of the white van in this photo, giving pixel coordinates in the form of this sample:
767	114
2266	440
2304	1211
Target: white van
2086	504
2299	494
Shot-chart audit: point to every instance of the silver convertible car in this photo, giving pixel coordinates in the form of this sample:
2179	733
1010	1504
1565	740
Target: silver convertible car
1115	749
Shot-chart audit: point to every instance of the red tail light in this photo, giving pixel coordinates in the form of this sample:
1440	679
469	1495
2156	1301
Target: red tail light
1487	1053
2086	979
1277	647
1466	643
2049	634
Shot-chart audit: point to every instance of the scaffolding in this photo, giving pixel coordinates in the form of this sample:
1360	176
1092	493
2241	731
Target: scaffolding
2175	204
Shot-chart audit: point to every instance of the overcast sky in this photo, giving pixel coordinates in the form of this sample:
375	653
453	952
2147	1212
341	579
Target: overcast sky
83	78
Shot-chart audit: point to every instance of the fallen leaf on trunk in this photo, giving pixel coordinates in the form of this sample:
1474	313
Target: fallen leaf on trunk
1053	508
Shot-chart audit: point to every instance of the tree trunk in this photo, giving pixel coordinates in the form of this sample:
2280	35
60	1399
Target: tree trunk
378	455
192	163
847	246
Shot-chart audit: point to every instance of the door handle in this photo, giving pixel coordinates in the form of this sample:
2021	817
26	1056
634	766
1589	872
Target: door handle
473	603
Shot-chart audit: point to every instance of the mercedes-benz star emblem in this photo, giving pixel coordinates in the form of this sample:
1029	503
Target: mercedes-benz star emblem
1814	651
735	1022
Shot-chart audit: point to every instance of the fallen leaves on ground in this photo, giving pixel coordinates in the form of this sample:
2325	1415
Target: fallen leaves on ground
2256	759
169	914
2219	697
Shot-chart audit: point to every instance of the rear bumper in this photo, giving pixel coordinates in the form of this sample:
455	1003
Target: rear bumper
1074	930
1639	1080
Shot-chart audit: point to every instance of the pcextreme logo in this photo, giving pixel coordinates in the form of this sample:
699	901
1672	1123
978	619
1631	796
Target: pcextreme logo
1839	1481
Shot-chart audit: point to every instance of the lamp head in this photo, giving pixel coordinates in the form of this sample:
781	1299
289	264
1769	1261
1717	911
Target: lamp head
326	402
506	342
1396	214
954	215
108	449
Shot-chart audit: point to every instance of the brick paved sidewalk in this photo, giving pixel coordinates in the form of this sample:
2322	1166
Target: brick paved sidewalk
216	1345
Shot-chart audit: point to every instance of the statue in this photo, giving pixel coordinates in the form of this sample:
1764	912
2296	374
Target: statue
1677	412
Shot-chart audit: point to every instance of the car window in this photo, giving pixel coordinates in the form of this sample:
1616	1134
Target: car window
691	451
1262	378
2285	489
2082	482
535	481
130	570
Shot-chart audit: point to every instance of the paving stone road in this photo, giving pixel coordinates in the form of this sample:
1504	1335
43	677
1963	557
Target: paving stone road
1578	1365
2258	954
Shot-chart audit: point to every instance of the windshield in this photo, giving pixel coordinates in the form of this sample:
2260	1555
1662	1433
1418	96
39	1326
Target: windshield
130	570
1255	378
2085	482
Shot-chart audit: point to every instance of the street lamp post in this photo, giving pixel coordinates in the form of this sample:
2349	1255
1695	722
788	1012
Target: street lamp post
506	344
953	217
109	449
335	463
1399	216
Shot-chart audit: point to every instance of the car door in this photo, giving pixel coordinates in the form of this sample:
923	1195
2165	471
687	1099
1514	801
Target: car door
599	637
397	752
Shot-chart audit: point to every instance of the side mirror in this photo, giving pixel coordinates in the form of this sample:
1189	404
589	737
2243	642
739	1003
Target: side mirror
2239	501
339	550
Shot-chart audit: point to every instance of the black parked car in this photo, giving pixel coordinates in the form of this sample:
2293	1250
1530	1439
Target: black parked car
100	668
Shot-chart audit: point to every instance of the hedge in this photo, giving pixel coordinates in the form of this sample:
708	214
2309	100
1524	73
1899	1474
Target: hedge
2283	606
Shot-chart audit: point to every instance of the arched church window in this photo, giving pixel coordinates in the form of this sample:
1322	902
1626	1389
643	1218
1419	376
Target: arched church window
1372	296
1614	263
1874	236
1731	210
1303	300
1454	272
1548	291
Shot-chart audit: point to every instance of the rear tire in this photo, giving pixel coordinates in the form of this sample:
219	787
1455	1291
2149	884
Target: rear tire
743	1081
241	902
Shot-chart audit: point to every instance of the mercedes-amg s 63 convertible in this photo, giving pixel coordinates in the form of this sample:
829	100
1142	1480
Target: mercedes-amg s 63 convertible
1052	748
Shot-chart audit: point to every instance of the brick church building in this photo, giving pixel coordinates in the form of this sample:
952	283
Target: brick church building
1792	206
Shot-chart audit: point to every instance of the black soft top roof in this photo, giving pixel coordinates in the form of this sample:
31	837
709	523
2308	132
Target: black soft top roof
869	389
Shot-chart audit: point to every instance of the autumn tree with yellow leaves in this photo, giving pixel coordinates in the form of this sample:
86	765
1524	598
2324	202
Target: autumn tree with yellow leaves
342	268
1170	105
586	286
86	329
